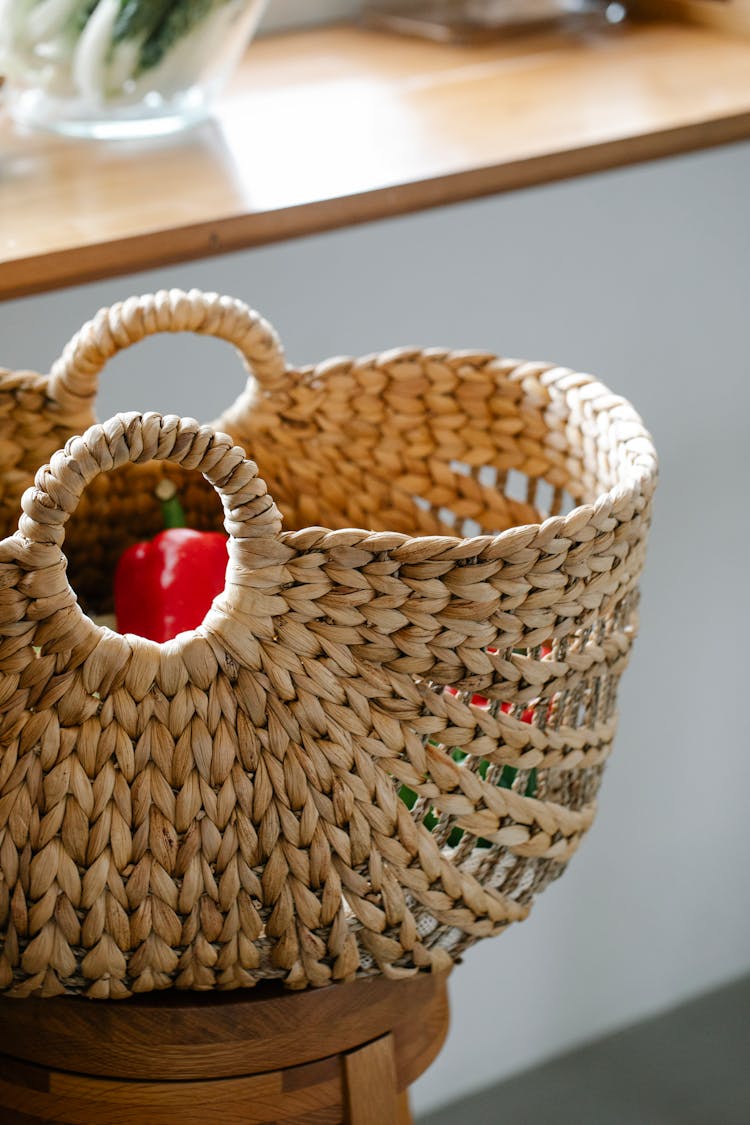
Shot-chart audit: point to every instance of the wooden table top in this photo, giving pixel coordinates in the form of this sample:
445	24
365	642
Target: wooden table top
326	128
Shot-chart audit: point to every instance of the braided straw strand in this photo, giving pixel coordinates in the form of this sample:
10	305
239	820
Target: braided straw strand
75	375
388	734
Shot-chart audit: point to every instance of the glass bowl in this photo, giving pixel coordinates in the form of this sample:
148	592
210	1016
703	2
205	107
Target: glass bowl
120	68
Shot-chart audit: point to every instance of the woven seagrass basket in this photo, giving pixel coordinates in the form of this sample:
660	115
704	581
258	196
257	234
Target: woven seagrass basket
381	744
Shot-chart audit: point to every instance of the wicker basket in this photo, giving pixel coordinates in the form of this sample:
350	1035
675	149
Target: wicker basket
381	744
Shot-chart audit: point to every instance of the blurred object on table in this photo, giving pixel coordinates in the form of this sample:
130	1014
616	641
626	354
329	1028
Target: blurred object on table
466	21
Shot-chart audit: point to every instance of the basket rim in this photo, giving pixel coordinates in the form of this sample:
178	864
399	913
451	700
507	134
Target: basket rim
636	468
637	477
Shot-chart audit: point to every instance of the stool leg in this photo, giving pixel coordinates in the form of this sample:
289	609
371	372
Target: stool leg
371	1097
405	1117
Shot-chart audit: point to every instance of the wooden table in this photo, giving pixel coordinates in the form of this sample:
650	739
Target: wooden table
344	1053
332	127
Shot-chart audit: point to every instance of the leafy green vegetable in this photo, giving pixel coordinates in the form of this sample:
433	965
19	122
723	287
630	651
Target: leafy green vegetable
139	18
408	796
183	16
508	775
431	820
83	14
101	48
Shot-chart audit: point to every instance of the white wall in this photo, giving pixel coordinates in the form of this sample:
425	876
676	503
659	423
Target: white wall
643	277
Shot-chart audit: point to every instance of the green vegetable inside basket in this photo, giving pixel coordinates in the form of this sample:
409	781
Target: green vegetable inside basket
506	779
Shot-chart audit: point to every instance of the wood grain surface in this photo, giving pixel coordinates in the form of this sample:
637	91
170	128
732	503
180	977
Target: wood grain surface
345	1053
46	1095
371	1083
223	1035
326	128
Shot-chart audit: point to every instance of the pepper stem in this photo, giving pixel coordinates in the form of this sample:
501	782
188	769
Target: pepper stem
172	510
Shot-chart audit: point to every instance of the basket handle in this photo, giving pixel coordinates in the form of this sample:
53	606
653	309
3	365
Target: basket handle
73	380
251	518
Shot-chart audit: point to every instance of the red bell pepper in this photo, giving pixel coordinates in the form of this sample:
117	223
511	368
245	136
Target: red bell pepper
165	585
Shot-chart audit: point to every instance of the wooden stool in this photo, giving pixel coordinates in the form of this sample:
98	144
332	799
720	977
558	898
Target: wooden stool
347	1053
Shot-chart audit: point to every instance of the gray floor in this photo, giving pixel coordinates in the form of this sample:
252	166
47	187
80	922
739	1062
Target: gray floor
688	1067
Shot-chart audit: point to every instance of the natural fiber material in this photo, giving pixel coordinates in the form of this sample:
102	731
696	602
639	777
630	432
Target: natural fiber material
381	743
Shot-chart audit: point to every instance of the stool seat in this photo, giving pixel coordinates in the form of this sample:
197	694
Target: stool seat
346	1053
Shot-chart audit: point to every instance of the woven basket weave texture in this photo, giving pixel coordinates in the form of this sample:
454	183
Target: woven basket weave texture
381	744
